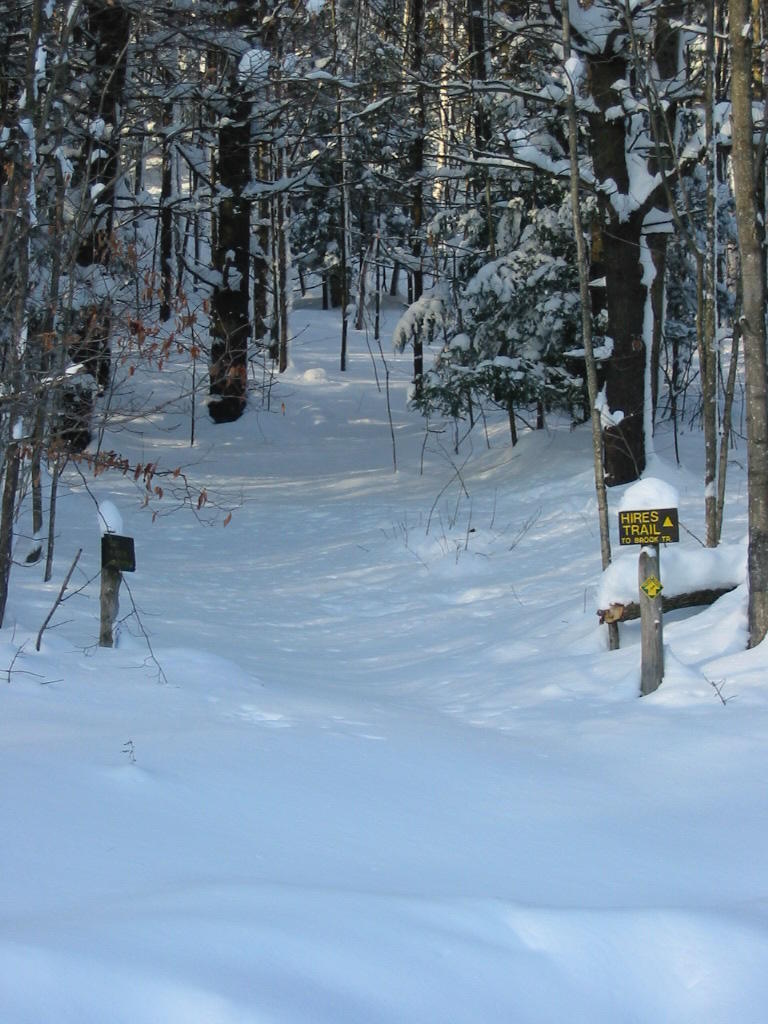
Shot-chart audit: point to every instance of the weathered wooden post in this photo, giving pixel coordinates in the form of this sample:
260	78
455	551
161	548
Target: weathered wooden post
651	621
117	556
649	526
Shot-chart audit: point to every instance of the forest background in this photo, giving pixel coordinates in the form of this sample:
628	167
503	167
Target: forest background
359	752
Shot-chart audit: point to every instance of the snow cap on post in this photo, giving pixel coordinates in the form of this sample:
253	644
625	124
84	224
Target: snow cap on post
110	520
649	493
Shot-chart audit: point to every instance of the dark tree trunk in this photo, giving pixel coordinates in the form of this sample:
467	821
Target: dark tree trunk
625	292
7	510
335	279
105	31
416	171
230	323
260	258
658	248
281	298
625	370
476	31
166	221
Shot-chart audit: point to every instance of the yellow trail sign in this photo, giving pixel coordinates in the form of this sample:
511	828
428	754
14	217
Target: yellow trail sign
649	526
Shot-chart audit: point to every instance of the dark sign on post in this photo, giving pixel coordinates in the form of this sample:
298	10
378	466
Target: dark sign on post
117	556
118	552
649	526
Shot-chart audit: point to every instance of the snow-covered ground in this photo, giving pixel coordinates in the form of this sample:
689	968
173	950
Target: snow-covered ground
377	765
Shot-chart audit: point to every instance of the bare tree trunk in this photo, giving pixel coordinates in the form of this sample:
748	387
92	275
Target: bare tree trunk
708	378
281	299
260	258
230	322
379	282
445	107
753	315
108	26
7	513
15	355
670	16
55	475
415	33
707	301
166	218
513	438
343	210
725	432
36	470
45	361
106	29
626	293
585	299
667	52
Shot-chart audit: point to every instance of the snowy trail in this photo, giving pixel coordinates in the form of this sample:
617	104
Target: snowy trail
320	871
393	775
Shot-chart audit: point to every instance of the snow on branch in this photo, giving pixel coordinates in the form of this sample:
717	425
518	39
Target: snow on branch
421	319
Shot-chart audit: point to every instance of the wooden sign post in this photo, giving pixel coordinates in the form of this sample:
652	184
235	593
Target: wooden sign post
649	528
651	621
117	557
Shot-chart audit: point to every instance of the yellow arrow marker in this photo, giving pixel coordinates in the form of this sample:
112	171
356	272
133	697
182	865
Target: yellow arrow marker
668	522
651	586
